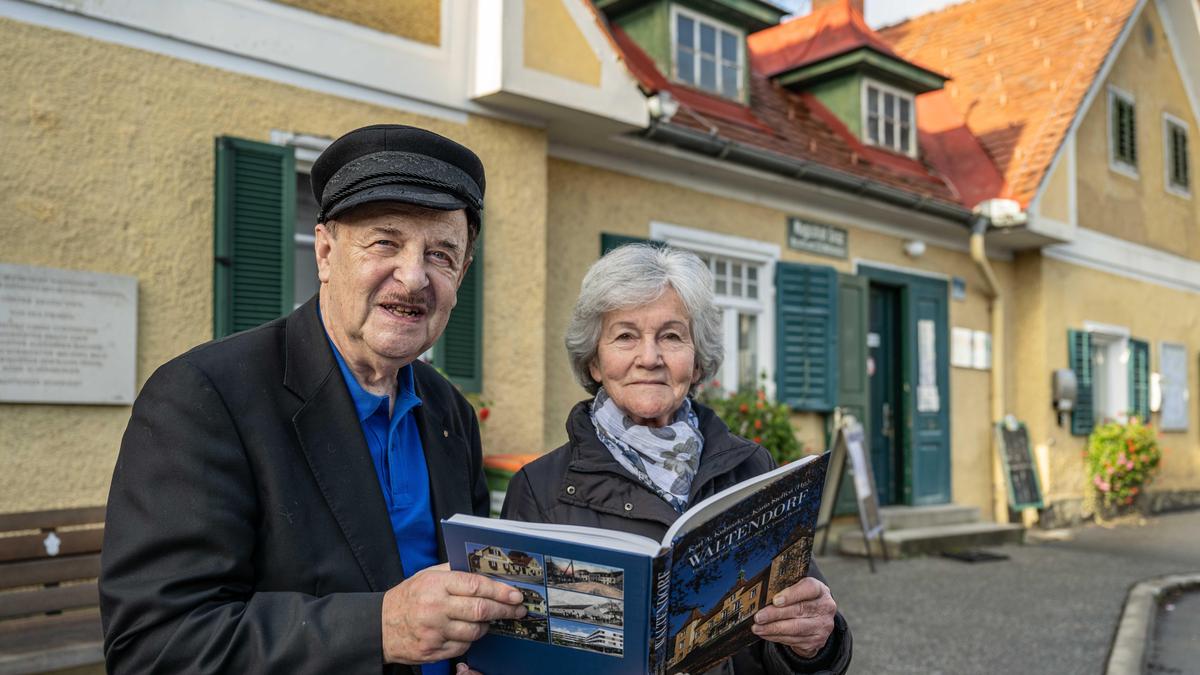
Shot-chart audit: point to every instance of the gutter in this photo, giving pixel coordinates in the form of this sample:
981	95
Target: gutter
979	228
719	147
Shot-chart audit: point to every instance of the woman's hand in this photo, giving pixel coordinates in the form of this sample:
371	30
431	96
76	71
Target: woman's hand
800	616
464	669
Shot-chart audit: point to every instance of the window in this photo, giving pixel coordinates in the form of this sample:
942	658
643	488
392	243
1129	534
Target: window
889	118
708	54
1175	137
1112	372
736	287
1122	122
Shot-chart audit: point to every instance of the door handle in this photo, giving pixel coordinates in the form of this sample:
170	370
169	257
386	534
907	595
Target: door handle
887	420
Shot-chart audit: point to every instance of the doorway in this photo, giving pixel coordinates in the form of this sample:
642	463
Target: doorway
909	368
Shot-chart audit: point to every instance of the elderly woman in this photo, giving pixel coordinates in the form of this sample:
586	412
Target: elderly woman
645	333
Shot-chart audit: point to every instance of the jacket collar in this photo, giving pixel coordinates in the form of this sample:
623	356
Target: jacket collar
722	452
331	437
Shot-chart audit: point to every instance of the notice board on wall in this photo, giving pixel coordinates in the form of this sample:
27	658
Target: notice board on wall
67	336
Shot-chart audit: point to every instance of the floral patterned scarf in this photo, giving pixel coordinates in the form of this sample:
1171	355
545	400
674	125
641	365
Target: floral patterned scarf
664	458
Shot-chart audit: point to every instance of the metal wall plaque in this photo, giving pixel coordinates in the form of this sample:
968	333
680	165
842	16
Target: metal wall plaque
804	235
67	336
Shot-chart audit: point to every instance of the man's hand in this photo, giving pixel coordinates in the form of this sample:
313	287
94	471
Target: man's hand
436	614
801	617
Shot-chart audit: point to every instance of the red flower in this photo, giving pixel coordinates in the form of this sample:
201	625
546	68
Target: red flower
757	439
744	408
758	424
484	413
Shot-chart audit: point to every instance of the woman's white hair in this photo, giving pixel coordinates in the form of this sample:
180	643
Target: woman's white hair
638	274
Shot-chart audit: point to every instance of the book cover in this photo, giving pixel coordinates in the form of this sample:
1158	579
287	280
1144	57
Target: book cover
613	602
726	569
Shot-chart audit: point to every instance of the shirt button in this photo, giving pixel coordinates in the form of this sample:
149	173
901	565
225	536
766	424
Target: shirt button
570	489
445	434
628	506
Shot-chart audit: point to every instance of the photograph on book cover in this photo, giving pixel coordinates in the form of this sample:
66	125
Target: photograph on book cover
569	603
765	548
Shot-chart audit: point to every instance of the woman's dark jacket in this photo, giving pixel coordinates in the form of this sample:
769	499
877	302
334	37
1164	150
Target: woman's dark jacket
581	483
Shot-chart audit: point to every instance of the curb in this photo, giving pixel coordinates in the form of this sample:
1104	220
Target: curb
1136	629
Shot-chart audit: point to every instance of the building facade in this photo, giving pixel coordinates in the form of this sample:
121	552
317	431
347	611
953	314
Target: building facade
826	172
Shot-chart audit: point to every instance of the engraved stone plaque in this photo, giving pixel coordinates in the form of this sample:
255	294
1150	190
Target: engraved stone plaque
67	336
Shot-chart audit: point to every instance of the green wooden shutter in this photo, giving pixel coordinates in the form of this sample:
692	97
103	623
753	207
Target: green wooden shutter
254	233
459	352
853	380
1079	355
1139	380
806	316
610	241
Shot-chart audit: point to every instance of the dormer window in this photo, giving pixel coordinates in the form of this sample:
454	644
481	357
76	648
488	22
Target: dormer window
889	118
708	54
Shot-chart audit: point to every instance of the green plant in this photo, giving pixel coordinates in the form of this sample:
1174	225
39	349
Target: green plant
748	413
1121	460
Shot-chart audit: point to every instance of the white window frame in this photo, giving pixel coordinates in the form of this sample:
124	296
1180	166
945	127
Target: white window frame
1113	341
677	11
1117	165
765	255
1170	120
868	84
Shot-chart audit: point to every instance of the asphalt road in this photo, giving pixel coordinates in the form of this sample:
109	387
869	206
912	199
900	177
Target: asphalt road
1052	607
1176	646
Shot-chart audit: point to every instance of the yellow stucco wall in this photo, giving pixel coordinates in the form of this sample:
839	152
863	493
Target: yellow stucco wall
1140	210
419	20
1056	197
109	168
586	201
1069	296
555	45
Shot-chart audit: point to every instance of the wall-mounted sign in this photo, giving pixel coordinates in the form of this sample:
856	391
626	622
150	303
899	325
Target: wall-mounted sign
816	238
66	336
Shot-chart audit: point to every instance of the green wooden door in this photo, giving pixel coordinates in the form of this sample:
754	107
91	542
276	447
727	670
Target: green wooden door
883	346
853	394
927	389
923	414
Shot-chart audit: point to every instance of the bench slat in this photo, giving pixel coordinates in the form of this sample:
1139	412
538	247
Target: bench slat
33	547
52	570
38	520
24	603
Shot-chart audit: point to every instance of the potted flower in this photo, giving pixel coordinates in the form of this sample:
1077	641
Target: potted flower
1121	461
751	415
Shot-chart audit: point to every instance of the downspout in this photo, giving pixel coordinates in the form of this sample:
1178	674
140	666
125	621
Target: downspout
979	227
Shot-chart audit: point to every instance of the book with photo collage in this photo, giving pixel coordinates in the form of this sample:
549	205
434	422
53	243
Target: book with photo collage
604	601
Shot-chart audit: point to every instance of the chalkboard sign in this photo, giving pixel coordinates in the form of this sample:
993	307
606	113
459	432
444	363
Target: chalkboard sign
1024	489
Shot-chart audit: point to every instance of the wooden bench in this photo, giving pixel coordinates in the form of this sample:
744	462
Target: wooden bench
49	602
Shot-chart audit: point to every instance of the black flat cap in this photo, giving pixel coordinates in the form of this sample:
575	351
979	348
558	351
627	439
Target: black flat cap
397	163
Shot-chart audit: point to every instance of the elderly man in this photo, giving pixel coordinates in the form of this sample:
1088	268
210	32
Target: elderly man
276	503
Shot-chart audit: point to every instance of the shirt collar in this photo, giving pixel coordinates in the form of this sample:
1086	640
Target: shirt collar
367	403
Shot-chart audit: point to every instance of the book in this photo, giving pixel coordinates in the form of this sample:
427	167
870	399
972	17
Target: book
605	601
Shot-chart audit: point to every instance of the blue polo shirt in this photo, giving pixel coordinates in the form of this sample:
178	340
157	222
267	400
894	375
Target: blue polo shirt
399	458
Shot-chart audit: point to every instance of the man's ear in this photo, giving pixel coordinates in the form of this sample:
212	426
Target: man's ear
323	247
463	275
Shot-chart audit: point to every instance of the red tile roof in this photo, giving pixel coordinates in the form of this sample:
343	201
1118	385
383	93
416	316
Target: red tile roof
795	125
1020	70
837	28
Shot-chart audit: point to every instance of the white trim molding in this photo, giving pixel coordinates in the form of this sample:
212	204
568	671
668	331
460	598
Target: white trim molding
1116	164
302	49
1170	120
1126	259
1181	22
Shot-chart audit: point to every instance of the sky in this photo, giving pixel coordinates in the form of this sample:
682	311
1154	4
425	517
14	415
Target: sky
880	12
